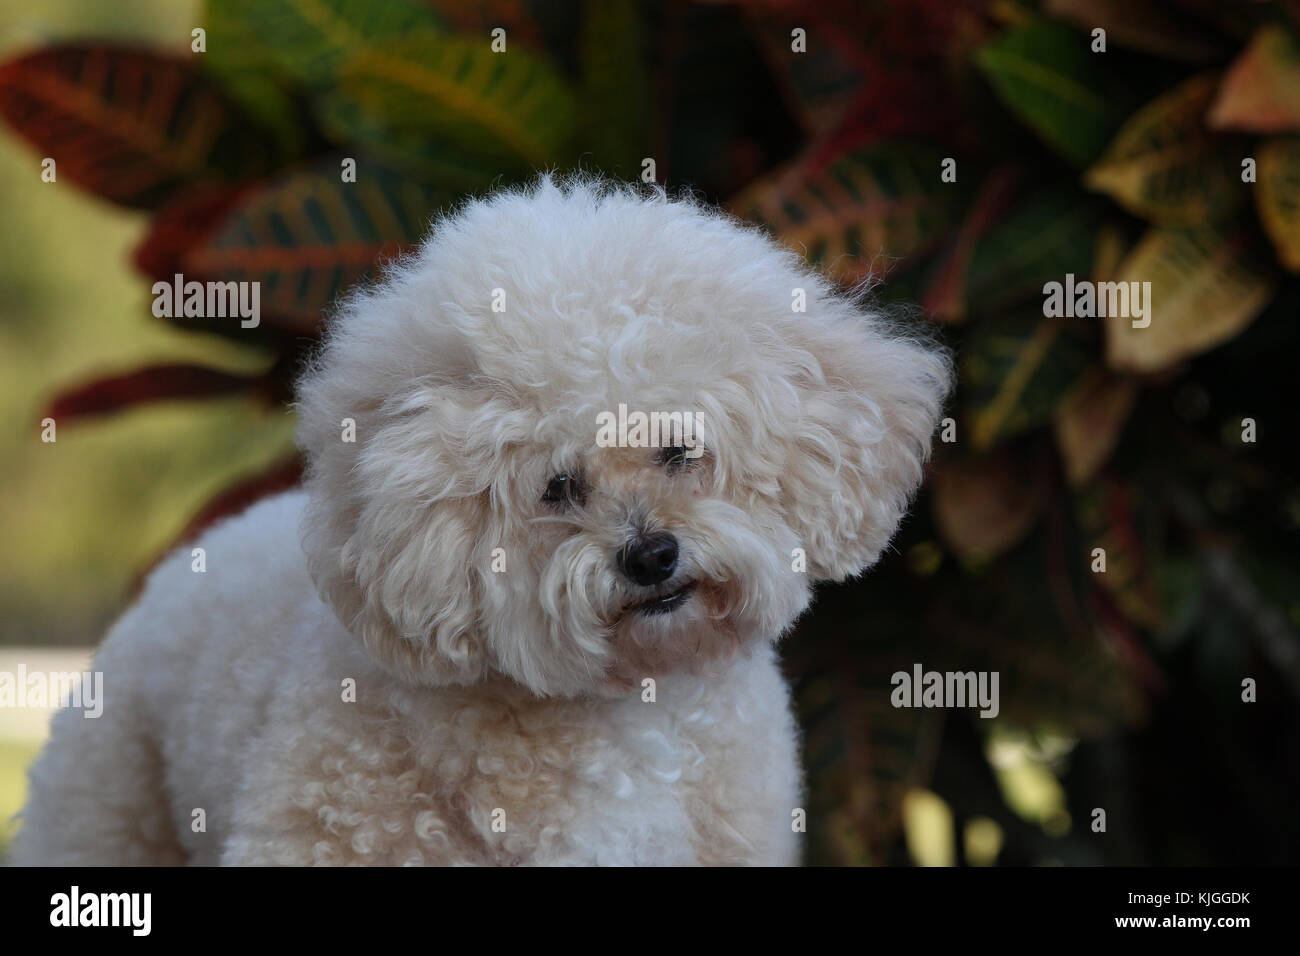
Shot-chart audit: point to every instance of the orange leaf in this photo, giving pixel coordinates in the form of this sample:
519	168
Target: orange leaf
984	506
1261	93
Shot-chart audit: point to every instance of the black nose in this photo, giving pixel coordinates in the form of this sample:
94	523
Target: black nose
650	559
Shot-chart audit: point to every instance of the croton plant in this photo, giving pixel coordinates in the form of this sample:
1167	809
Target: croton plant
965	153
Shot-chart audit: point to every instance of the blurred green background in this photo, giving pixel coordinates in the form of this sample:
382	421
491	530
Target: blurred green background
83	517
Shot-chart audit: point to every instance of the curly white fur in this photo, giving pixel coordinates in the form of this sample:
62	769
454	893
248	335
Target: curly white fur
501	713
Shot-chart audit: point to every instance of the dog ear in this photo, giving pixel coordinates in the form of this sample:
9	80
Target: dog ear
868	403
393	523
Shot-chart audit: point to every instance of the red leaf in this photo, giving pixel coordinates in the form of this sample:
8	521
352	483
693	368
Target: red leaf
873	71
306	237
945	296
180	226
153	384
131	125
238	497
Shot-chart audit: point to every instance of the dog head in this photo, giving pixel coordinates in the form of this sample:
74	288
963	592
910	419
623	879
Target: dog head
595	442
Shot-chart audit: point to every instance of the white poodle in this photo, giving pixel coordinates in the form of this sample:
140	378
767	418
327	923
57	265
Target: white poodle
480	635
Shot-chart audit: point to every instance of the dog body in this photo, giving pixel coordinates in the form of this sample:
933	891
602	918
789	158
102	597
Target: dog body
261	735
481	635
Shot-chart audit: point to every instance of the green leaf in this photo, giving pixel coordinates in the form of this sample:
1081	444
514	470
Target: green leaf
1049	233
1165	165
1277	196
306	236
543	26
615	91
1016	368
309	40
1207	283
436	100
243	61
864	209
1047	75
130	125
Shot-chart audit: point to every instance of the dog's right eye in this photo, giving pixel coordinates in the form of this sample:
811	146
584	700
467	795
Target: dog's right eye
564	490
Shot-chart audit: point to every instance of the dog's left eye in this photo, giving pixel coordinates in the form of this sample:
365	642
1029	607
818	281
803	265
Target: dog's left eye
674	457
564	489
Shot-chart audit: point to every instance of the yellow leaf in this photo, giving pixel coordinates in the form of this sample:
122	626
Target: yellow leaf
1205	285
1277	196
1165	166
1089	422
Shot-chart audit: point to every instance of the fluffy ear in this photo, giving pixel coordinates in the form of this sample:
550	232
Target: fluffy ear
395	515
391	529
868	403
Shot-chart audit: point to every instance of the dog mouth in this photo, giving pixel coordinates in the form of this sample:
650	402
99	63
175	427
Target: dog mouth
664	603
